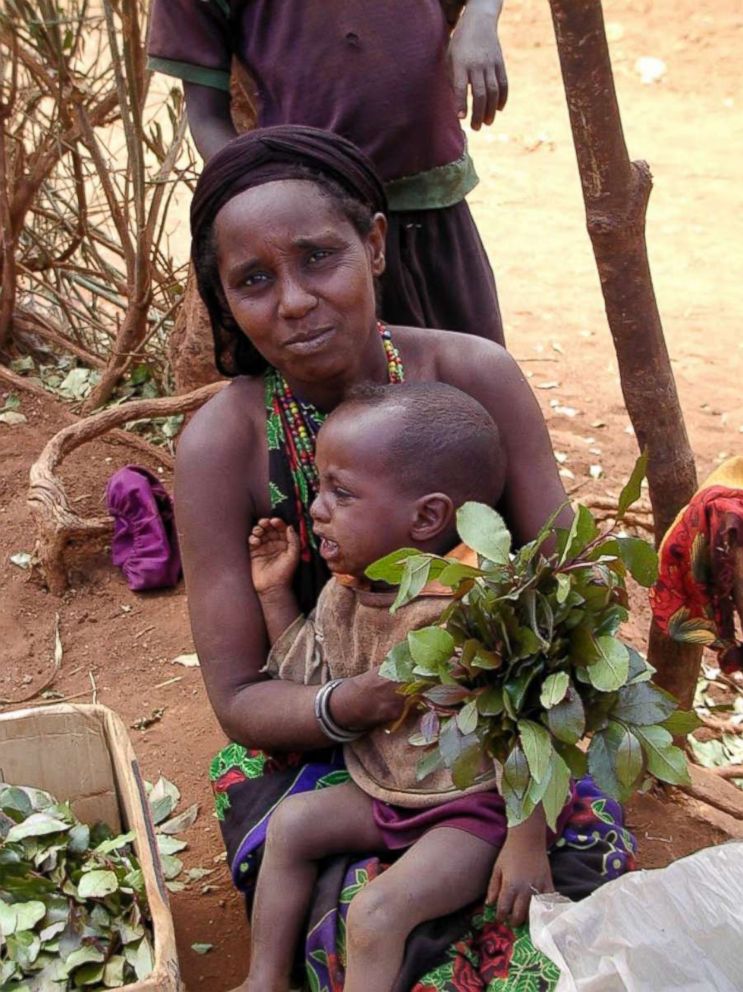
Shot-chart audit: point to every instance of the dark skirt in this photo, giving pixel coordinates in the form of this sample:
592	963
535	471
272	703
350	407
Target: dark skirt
463	952
438	274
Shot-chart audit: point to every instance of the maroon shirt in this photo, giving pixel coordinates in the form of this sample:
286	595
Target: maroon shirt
373	71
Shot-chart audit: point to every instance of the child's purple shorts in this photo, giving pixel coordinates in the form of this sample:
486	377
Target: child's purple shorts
482	814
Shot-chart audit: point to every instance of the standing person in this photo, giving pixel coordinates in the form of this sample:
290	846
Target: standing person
387	75
288	234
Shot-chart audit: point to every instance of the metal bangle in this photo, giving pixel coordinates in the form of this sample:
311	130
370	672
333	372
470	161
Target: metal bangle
327	724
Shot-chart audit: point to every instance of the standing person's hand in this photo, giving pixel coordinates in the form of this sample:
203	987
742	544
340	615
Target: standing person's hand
476	62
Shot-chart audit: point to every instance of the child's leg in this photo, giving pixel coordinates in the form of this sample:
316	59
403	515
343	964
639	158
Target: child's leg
442	872
304	829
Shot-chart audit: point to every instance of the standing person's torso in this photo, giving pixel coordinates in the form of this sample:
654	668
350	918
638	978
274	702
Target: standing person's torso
371	70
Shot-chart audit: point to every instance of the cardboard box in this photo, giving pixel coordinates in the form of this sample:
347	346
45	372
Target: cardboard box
83	754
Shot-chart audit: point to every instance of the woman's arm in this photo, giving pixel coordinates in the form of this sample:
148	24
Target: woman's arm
220	469
487	372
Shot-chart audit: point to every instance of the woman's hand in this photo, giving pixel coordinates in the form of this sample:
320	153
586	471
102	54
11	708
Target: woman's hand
366	701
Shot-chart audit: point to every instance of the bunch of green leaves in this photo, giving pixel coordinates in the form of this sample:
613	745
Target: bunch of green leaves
73	910
526	662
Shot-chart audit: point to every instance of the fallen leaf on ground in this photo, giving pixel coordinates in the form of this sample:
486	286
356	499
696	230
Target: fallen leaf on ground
187	660
12	418
201	948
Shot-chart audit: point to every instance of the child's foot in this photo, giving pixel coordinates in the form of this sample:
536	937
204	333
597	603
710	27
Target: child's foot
274	554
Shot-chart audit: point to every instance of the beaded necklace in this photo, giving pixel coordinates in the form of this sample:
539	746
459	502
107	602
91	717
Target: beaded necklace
291	428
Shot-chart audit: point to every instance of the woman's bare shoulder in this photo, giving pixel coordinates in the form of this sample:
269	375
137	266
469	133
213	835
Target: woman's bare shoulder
473	364
226	426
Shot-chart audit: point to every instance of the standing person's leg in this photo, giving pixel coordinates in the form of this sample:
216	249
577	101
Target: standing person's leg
442	872
438	273
303	829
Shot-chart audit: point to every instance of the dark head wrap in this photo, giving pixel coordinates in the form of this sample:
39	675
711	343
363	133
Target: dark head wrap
286	151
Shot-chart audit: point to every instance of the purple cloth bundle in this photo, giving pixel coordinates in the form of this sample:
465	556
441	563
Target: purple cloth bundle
145	544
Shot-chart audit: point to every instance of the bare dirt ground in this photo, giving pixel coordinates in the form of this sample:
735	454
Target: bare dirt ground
688	125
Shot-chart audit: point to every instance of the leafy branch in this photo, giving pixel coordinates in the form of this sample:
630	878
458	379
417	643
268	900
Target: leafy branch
526	663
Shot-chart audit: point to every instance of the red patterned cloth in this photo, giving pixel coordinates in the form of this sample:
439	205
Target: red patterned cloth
694	599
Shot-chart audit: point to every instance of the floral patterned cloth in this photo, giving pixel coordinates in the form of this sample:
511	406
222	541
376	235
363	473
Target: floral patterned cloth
463	952
694	597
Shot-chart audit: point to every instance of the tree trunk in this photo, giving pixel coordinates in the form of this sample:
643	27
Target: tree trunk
616	192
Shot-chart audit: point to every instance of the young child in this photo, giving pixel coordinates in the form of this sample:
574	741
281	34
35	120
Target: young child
394	464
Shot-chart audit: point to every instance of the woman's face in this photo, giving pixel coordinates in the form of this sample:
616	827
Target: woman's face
298	278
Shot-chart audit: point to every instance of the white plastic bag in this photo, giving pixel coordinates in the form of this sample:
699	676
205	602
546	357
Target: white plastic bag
674	929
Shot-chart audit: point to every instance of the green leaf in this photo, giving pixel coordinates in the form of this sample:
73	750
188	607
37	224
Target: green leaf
537	745
631	492
516	776
430	647
556	791
36	825
467	766
574	758
640	558
564	583
415	575
20	916
115	843
612	668
554	689
601	764
89	954
97	884
681	723
567	720
666	761
629	762
455	572
113	971
390	568
643	704
582	530
398	665
484	530
181	821
170	845
490	701
467	717
201	948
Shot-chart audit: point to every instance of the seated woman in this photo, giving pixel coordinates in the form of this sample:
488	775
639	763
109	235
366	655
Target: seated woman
288	228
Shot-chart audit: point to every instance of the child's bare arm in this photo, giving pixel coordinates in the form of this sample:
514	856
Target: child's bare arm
476	60
274	555
208	118
522	869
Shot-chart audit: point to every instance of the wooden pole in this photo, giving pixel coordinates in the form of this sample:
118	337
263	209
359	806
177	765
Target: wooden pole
616	192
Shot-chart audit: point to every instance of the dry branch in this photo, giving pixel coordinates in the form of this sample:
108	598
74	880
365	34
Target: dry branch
715	791
56	522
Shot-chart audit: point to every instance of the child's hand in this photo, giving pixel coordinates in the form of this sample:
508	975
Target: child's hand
274	554
521	871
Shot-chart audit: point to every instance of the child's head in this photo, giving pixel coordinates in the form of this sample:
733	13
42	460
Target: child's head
395	464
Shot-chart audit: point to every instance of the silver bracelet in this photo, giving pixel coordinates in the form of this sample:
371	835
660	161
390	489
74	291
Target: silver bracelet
327	724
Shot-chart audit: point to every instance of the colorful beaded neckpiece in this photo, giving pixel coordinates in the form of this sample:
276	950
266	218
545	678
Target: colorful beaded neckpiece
292	426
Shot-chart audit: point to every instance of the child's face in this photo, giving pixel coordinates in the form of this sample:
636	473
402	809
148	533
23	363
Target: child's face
359	514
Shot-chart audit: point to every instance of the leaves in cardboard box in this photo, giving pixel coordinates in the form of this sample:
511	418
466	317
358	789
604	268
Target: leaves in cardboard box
61	930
